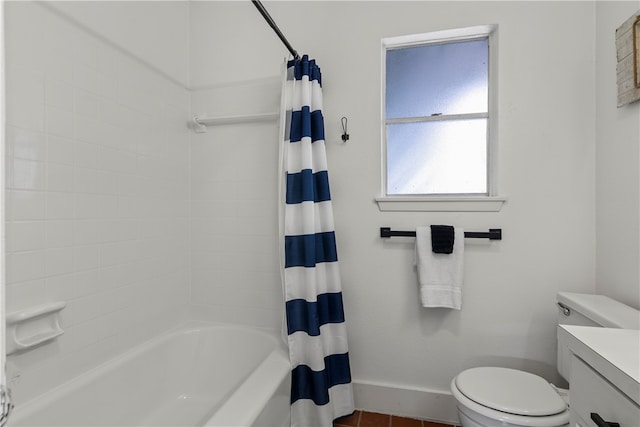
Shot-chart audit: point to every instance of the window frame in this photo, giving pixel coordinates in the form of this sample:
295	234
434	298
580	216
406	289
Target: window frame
445	202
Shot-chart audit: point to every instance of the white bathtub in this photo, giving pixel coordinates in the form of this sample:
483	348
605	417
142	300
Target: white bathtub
196	375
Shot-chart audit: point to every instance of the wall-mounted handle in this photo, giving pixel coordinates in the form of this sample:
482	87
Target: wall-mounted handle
565	310
5	404
602	423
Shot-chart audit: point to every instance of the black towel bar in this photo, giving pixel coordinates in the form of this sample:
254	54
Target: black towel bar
493	234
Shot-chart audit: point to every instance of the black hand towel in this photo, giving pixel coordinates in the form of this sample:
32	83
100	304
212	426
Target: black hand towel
442	239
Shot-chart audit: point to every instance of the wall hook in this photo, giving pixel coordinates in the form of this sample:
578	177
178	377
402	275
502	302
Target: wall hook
345	135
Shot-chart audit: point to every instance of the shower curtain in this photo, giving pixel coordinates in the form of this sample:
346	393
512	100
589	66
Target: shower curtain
321	389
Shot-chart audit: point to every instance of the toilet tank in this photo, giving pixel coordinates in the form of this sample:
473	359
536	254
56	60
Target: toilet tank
590	310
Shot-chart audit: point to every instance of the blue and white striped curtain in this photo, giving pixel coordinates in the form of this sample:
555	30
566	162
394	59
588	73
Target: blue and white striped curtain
321	389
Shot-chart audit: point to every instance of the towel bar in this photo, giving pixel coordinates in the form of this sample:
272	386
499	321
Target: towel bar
492	234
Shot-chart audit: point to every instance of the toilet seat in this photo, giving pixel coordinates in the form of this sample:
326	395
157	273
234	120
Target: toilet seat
466	403
509	390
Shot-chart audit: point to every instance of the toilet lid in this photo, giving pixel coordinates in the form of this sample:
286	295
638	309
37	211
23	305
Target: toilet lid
509	390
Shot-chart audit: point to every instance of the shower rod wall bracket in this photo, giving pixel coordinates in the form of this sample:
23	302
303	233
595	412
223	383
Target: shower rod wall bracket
197	126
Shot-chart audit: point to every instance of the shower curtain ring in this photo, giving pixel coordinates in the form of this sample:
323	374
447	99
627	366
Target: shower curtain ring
345	135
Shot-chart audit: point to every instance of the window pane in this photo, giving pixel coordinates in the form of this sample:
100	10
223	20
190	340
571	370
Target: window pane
437	157
450	78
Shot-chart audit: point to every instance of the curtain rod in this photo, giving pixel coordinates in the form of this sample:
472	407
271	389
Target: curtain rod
275	28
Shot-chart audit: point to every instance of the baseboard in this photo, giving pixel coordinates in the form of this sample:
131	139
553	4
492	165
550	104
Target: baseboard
425	404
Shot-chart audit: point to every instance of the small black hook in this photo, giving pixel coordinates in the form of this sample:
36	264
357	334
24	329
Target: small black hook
345	135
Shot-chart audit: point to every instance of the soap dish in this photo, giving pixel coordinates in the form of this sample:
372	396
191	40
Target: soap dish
33	326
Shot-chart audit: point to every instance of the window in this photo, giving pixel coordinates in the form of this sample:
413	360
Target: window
437	114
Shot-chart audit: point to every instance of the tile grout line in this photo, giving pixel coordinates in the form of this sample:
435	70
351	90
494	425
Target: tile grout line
422	423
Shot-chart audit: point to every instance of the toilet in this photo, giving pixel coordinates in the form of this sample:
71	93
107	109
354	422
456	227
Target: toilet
495	396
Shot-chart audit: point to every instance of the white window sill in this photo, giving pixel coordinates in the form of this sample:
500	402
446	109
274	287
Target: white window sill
441	204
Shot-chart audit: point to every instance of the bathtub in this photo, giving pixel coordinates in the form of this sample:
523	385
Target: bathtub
197	375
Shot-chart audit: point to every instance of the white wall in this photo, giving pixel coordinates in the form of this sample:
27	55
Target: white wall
234	209
546	169
617	167
155	32
97	194
230	42
3	382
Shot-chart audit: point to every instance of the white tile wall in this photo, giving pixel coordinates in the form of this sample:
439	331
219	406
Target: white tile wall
97	194
234	211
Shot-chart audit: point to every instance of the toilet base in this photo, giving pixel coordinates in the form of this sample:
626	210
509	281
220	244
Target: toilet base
466	421
470	418
473	414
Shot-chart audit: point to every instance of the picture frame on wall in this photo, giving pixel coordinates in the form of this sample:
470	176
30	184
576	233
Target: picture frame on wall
628	56
636	50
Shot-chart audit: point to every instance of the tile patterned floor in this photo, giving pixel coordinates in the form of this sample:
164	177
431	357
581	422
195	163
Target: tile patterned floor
370	419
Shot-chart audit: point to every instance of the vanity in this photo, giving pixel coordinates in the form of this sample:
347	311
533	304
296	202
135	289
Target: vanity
605	375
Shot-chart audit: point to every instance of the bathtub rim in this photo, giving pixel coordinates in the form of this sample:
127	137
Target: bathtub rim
41	401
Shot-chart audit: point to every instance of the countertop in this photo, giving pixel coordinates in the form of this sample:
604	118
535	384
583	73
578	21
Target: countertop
613	353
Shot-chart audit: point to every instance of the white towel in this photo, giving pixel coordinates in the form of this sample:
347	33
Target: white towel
440	275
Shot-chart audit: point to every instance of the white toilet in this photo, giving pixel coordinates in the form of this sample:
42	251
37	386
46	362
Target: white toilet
494	396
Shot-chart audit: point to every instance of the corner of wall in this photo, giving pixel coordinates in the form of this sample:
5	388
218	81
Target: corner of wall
438	406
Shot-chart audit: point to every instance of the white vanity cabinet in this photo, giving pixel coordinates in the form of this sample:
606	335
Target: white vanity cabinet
605	376
591	393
